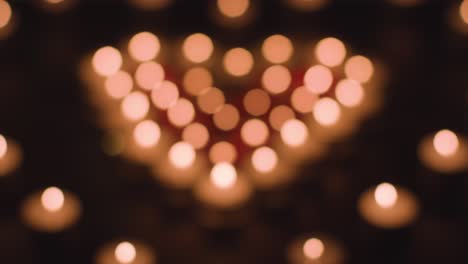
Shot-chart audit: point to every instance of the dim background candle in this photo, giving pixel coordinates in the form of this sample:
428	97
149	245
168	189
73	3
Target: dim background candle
388	206
10	155
125	252
317	249
51	210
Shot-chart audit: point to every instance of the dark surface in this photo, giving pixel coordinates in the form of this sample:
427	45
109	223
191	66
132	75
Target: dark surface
44	106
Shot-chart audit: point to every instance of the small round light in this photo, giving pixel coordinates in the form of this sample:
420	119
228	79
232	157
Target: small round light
197	80
318	79
313	248
227	118
330	52
211	101
264	159
276	79
165	95
223	152
327	111
302	100
52	199
147	133
3	146
238	62
257	102
196	134
359	68
181	113
349	93
277	49
233	9
182	155
125	252
144	46
279	115
149	74
197	47
5	13
294	133
446	143
385	195
254	132
119	85
135	106
107	61
223	175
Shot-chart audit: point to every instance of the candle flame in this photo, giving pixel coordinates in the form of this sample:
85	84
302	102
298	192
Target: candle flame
182	155
223	175
107	61
264	159
446	143
313	248
125	252
385	195
147	133
52	199
3	146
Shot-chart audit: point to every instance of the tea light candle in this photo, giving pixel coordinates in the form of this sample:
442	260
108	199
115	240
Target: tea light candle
388	206
10	155
315	249
444	152
224	188
125	252
51	210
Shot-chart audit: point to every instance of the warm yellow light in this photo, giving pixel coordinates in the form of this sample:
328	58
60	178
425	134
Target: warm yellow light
149	74
3	146
5	13
318	79
279	115
464	11
349	93
119	85
264	159
197	80
254	132
257	102
182	155
107	61
313	248
211	100
327	111
233	9
277	49
359	68
330	52
223	175
147	133
196	134
52	199
302	100
144	46
385	195
197	47
125	252
181	113
135	106
276	79
294	133
165	95
227	118
446	143
238	62
223	152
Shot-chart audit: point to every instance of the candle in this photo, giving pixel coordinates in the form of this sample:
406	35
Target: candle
388	206
10	155
51	210
315	249
444	152
125	252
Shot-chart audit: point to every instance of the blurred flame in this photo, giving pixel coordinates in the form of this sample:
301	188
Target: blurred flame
52	199
254	132
238	62
125	252
107	61
223	175
144	46
385	195
197	47
276	79
446	143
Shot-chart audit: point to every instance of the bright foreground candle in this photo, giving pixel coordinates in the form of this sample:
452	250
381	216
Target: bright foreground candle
125	252
10	155
316	249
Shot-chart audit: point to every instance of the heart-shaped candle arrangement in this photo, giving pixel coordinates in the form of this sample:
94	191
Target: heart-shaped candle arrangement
171	115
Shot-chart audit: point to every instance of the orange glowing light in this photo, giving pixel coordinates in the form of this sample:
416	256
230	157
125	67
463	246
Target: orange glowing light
223	152
302	100
197	47
257	102
197	80
318	79
279	115
277	49
294	133
149	74
238	62
233	9
330	52
196	134
5	13
144	46
359	68
254	132
182	155
385	195
276	79
147	133
165	95
327	111
211	101
349	93
119	85
264	159
181	113
227	118
464	11
52	199
223	175
313	248
3	146
135	106
125	252
446	143
107	61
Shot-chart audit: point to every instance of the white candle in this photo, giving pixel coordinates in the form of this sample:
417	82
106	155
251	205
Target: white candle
125	252
318	249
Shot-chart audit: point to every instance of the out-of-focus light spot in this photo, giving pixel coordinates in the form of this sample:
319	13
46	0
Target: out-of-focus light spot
211	101
294	133
464	11
264	159
327	111
5	13
330	52
227	118
165	95
254	132
446	143
238	62
119	85
181	113
318	79
349	93
277	49
52	199
182	155
313	248
233	9
144	46
302	100
107	61
149	74
276	79
3	146
197	80
197	47
307	5
150	4
125	252
257	102
385	195
223	152
279	115
135	106
359	68
223	175
147	133
196	134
